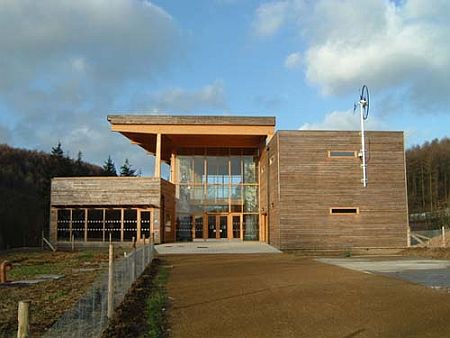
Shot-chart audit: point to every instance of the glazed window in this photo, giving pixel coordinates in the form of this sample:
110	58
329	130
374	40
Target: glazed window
344	211
341	153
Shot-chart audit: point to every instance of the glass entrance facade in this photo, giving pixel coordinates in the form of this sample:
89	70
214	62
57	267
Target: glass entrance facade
217	181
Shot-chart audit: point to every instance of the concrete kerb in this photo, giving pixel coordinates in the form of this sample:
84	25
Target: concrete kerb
215	247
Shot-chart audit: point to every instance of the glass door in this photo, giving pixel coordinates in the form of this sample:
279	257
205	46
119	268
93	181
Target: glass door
223	226
211	226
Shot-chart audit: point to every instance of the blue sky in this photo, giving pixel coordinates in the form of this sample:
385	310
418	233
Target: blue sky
65	65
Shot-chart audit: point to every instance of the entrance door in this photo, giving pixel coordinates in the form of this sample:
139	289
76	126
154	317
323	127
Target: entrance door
223	226
211	226
217	226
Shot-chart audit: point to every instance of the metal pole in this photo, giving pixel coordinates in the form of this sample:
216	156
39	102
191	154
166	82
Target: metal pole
362	103
110	282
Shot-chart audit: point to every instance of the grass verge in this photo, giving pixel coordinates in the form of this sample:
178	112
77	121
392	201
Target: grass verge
156	305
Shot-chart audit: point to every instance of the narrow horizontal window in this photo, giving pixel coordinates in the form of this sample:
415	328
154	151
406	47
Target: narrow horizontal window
344	211
341	153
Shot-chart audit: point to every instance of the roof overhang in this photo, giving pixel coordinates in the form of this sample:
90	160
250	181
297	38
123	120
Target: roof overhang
193	131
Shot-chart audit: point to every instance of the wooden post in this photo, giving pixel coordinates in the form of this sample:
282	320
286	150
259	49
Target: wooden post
143	254
133	262
172	168
121	224
443	238
70	222
158	156
85	225
23	329
72	240
138	224
104	223
110	282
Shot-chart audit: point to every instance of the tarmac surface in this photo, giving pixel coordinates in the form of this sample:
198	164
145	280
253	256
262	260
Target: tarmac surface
215	247
285	295
429	272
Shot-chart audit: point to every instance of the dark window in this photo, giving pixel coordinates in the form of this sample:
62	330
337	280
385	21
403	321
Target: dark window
341	153
344	211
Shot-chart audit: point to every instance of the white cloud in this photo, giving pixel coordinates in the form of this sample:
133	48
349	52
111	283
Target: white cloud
343	120
209	97
384	44
293	61
65	64
270	17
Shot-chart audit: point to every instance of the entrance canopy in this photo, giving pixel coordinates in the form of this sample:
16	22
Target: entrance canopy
192	131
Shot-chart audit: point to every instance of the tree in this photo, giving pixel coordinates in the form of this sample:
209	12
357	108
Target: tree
125	169
109	168
57	151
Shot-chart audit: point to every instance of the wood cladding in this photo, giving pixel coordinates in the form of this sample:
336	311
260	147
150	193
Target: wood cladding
192	120
311	183
269	191
105	191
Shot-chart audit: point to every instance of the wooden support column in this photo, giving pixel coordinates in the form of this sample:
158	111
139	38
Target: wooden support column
85	225
122	214
70	224
103	224
158	156
138	224
172	168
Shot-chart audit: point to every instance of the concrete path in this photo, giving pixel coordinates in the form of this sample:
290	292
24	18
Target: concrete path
290	296
215	247
429	272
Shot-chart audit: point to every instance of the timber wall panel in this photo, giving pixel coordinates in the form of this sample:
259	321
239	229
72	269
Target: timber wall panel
269	202
105	191
311	183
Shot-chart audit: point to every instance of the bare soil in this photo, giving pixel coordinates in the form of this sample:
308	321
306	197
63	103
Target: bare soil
49	299
291	296
131	317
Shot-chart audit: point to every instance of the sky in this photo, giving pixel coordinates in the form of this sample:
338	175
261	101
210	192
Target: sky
65	65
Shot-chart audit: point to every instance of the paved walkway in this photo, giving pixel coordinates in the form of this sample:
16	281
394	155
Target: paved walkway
289	296
434	273
215	247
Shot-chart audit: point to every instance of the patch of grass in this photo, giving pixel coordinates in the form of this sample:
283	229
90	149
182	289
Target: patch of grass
156	305
86	256
28	271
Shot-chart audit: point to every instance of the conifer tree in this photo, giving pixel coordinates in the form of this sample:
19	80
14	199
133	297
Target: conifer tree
125	169
109	168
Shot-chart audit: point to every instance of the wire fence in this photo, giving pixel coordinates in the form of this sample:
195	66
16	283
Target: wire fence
88	318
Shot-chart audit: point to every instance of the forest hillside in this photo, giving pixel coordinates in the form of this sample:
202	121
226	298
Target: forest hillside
25	191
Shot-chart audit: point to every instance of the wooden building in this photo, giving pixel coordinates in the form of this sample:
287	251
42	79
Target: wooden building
236	178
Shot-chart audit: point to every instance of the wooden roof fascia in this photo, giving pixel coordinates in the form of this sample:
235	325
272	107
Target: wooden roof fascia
192	120
194	129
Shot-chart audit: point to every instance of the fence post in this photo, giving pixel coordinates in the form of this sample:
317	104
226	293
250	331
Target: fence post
23	329
110	282
133	262
443	238
72	240
143	256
